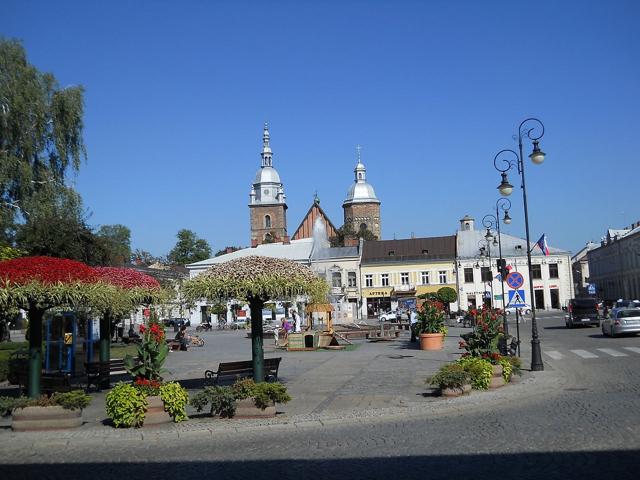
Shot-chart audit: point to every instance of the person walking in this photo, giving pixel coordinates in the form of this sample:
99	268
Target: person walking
296	321
413	319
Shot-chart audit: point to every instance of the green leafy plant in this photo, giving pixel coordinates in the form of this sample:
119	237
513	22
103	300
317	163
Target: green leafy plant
152	353
452	375
507	369
126	405
479	369
264	394
175	399
73	400
431	318
8	404
221	400
516	365
483	340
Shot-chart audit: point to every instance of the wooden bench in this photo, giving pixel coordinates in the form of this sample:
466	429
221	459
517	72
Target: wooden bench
49	382
96	372
232	371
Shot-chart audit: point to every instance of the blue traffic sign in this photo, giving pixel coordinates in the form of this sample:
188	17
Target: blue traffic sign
591	289
515	280
516	298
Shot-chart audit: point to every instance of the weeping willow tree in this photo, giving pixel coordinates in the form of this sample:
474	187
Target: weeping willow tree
256	280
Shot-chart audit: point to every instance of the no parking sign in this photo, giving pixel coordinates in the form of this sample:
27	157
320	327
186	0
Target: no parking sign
515	280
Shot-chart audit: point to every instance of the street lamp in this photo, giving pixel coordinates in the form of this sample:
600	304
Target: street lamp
505	160
485	252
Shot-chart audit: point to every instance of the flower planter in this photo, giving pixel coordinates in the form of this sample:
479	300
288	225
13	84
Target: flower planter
155	414
45	418
246	408
497	380
455	391
431	341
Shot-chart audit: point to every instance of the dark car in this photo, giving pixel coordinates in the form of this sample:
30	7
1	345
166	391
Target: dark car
176	322
582	311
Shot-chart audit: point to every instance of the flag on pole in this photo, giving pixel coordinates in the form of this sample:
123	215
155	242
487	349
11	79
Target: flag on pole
542	243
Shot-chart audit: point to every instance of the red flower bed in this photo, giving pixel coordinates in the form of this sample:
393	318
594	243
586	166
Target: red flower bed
126	278
46	270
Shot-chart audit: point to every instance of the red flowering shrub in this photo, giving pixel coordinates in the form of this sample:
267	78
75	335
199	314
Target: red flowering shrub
126	278
483	340
147	386
46	270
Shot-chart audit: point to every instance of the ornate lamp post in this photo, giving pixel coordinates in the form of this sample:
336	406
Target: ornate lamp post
485	252
505	160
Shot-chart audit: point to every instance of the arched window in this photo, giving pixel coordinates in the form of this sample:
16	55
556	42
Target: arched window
267	221
363	226
268	238
360	176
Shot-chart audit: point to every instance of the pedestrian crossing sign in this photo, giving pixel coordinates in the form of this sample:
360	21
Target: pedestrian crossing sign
516	298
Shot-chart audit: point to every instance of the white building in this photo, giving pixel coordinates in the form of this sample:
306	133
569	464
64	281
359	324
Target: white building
580	269
478	279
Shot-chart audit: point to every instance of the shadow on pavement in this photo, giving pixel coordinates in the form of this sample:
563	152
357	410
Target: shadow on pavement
618	464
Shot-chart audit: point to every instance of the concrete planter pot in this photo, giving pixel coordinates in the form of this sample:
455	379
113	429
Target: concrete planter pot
431	341
33	419
455	391
155	414
246	408
497	380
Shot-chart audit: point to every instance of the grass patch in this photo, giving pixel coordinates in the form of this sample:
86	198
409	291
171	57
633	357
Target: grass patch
6	349
120	351
10	346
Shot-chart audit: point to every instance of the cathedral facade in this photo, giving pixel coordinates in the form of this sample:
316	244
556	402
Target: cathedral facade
268	206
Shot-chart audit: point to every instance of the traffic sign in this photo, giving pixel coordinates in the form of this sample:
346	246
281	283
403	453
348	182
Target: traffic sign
515	280
591	289
516	298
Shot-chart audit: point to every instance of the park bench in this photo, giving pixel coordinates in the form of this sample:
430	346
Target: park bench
97	371
232	371
49	382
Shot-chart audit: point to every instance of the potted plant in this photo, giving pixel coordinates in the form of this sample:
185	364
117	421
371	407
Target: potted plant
244	399
430	325
60	411
452	380
148	400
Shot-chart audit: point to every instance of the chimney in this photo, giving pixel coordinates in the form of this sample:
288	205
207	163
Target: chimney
286	240
350	241
254	242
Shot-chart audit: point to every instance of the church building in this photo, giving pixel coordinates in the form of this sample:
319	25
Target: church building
268	205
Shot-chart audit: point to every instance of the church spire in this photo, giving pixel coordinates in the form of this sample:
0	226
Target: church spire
360	170
266	148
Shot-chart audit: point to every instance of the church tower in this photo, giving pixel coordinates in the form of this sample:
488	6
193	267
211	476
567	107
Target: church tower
267	201
362	207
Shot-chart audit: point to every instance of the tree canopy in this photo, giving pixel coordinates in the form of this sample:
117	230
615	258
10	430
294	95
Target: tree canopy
346	231
189	248
116	241
40	133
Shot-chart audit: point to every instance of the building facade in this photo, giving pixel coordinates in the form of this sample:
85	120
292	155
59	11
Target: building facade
267	200
393	273
580	269
614	266
480	284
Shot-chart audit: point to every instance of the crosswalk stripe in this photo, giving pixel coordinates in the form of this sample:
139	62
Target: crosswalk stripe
584	354
612	352
633	349
554	354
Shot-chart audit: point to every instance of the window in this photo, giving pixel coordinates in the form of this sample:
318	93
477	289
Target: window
404	278
385	279
267	221
442	276
536	272
485	274
468	275
336	279
351	279
425	278
368	280
392	253
553	270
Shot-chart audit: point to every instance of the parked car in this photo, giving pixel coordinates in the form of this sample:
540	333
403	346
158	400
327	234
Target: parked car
582	311
624	304
172	322
393	316
526	310
238	324
624	320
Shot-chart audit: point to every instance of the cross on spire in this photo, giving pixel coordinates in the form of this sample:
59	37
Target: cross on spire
358	149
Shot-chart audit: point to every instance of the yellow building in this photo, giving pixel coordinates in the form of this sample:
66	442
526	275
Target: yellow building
394	272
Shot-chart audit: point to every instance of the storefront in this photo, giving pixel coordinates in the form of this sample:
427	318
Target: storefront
378	300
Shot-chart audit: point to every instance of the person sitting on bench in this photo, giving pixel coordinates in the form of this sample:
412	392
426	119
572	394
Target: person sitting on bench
183	338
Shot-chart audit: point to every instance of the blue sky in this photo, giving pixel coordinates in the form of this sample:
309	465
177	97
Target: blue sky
177	92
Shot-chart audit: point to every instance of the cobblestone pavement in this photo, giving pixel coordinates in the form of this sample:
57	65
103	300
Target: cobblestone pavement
580	418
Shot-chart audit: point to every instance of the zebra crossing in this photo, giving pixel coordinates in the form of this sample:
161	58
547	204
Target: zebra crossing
595	353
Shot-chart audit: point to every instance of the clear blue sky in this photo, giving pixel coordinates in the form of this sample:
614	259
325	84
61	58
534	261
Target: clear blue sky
177	92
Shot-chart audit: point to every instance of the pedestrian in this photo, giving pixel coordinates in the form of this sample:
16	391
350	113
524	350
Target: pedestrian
276	334
296	321
413	320
181	336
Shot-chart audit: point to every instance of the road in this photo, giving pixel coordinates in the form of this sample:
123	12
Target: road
580	418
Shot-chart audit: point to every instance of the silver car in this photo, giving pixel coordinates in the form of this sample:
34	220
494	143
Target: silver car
622	320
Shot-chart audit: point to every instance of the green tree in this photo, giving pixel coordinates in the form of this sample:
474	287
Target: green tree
189	248
447	295
226	250
40	133
142	257
346	232
56	226
116	240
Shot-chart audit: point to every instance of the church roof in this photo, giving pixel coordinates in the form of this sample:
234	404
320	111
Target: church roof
305	230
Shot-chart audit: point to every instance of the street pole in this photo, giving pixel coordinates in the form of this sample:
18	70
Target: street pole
505	188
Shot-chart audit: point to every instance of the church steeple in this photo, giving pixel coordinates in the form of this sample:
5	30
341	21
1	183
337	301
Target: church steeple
360	170
266	148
